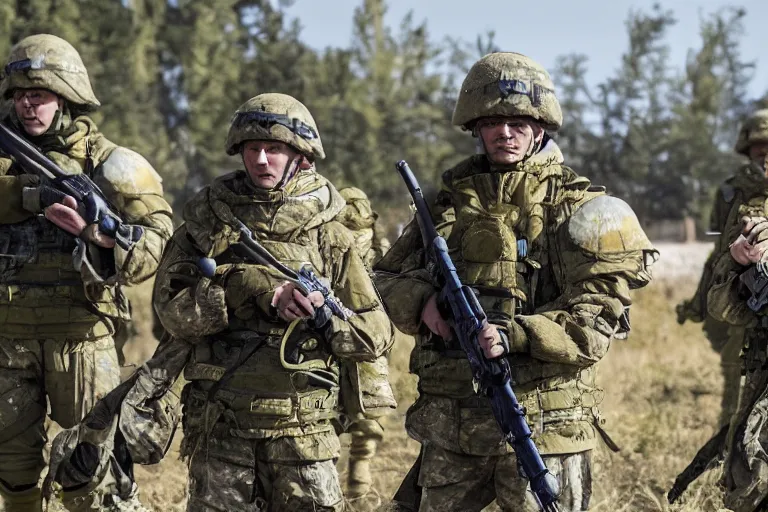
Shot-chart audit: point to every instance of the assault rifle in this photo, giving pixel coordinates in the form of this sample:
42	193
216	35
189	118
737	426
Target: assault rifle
305	279
756	281
491	376
94	207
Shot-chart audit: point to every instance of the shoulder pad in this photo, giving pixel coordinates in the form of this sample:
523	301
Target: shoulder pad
607	225
322	194
130	173
728	192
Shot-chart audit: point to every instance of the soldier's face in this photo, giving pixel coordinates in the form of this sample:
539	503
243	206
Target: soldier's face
758	152
266	161
36	109
507	140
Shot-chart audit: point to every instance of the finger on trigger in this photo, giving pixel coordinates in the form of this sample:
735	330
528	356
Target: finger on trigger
303	303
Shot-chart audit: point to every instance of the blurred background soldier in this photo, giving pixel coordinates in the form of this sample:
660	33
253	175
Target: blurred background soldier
726	339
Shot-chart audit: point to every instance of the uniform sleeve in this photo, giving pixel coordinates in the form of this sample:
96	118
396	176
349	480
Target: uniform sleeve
136	191
581	331
11	210
603	253
153	214
727	297
369	333
188	305
695	309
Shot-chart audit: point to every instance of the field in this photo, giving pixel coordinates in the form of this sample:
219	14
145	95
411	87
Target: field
661	404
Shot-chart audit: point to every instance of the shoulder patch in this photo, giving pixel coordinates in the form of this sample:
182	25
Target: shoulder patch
607	225
131	173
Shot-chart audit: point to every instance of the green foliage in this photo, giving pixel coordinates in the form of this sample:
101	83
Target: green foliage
170	73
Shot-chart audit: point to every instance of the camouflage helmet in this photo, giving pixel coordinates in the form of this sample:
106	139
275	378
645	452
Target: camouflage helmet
508	84
754	129
45	61
275	116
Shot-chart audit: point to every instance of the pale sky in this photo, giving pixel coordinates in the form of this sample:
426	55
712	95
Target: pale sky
545	29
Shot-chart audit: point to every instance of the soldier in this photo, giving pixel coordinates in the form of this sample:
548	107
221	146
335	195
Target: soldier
58	312
747	230
263	388
552	260
364	428
358	215
728	339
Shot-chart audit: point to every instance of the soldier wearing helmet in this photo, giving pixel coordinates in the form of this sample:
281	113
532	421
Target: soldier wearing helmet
552	259
61	281
740	250
752	142
264	376
372	378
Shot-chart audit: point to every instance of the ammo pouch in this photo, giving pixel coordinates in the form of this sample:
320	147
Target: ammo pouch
21	243
244	411
255	393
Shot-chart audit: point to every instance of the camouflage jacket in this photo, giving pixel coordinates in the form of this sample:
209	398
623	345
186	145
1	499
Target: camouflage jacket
725	210
745	469
43	292
725	298
269	393
552	260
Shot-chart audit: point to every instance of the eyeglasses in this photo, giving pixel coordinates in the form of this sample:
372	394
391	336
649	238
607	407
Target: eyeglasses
35	97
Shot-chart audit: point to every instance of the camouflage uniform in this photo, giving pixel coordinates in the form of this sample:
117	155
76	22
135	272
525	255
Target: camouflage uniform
552	259
364	428
57	318
726	339
746	470
257	422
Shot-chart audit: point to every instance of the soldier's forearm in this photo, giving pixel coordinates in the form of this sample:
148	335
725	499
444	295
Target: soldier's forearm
141	261
194	312
404	296
364	337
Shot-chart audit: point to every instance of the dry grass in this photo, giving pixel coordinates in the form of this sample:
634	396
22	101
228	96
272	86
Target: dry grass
662	403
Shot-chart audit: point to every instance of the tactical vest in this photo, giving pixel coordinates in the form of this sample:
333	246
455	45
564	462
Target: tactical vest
269	392
507	250
41	292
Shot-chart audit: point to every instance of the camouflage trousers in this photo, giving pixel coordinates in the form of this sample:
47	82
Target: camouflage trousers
453	481
728	342
231	474
72	375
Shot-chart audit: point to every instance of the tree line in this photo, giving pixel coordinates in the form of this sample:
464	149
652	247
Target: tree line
170	74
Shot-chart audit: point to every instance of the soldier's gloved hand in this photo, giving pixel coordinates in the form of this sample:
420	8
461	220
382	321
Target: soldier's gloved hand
434	321
757	234
751	244
688	310
291	304
65	215
36	197
491	341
